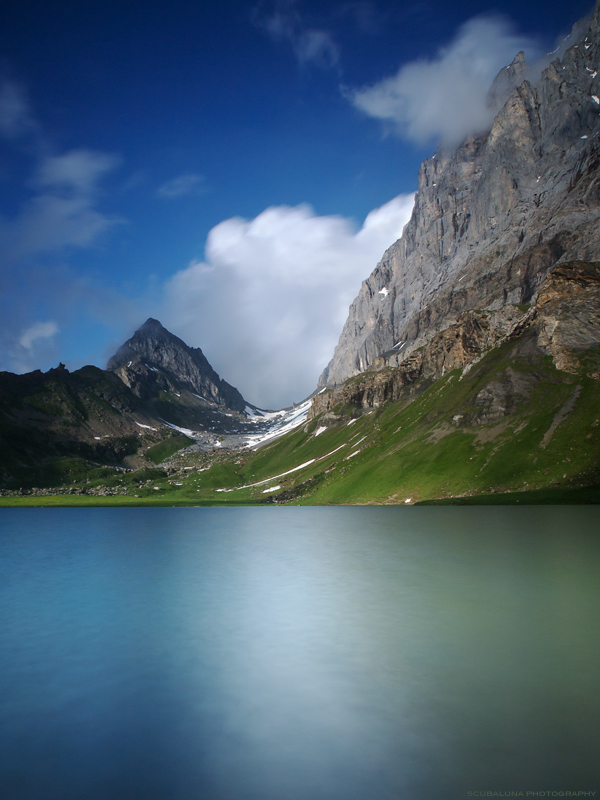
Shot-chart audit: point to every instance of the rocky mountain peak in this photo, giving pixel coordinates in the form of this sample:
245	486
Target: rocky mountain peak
151	326
154	358
506	80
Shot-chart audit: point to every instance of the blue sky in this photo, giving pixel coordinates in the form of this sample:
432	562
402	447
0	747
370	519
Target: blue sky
212	164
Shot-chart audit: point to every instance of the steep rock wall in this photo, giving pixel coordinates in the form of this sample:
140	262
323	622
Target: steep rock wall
491	218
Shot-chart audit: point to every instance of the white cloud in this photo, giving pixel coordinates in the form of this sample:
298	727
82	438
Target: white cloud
446	97
40	330
317	47
310	45
268	303
76	170
62	214
188	184
16	118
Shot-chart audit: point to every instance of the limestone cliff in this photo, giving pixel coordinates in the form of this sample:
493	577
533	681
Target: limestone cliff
563	321
490	219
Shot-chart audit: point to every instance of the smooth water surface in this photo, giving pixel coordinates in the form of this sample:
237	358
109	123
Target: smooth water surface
298	653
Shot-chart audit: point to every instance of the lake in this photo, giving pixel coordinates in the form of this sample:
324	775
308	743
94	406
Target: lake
299	653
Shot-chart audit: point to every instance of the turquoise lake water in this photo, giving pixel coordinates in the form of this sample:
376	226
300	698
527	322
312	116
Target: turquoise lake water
298	653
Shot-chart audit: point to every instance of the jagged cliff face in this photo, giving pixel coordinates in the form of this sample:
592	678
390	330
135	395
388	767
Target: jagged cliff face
562	321
154	359
492	218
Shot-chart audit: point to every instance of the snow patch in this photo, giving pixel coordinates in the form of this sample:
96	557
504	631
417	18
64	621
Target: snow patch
320	430
185	431
272	489
283	474
283	421
385	291
595	99
148	427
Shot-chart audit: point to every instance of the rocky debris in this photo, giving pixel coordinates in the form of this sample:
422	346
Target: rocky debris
491	218
155	359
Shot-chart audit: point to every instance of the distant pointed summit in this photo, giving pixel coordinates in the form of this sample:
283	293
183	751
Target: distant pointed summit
154	351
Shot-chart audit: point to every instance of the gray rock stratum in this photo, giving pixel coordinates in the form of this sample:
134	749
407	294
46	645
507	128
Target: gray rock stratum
492	218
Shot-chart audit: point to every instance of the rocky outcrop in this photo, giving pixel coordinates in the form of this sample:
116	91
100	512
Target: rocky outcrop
155	359
567	314
492	218
563	321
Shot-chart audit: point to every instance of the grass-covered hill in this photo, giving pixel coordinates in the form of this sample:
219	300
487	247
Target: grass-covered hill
54	425
512	428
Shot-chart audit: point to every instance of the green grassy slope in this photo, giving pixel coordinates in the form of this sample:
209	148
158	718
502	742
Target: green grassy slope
513	428
447	439
57	427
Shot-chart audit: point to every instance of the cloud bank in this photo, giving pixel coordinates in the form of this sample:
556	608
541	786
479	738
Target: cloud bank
268	303
445	98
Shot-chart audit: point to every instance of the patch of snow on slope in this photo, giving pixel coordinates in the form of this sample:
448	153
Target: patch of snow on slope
185	431
283	474
285	421
149	427
320	430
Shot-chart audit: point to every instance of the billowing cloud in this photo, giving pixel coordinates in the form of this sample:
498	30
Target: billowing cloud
284	23
446	97
268	303
40	330
184	185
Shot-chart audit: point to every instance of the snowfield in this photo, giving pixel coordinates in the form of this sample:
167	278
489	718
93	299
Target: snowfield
281	422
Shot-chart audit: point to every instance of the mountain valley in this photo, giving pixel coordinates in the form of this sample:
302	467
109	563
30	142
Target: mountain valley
468	369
